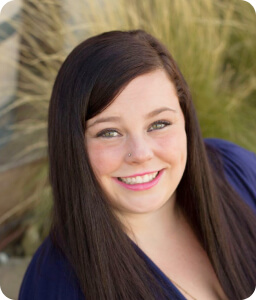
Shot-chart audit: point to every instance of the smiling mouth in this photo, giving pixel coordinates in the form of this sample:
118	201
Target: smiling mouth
139	179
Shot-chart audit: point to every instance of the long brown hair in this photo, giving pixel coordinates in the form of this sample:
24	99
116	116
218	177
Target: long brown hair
84	227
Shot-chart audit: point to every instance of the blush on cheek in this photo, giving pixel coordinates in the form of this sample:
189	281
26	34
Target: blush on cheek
165	142
99	163
171	142
103	160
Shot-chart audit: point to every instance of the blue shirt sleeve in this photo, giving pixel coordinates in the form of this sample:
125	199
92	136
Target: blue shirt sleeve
49	276
239	167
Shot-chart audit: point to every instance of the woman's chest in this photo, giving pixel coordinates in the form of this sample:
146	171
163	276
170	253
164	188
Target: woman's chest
192	274
183	260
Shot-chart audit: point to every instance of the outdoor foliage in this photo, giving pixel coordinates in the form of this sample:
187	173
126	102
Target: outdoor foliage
213	42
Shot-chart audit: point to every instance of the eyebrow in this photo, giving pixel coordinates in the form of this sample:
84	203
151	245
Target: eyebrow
158	111
149	115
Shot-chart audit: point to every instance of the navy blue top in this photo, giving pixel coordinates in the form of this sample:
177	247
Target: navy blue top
50	277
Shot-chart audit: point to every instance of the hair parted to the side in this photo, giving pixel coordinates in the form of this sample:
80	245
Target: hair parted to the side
84	226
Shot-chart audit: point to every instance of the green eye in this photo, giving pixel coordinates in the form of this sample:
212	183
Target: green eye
159	125
108	133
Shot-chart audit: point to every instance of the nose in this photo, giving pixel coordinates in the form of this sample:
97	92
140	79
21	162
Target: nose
139	150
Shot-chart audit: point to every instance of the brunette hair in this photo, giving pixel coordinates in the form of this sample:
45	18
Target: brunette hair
84	227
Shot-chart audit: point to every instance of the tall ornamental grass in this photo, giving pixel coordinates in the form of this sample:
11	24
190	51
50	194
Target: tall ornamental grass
213	42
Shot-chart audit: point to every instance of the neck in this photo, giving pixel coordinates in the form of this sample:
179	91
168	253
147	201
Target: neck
152	226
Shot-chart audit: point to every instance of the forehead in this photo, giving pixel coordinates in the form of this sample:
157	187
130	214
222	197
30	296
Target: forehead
143	94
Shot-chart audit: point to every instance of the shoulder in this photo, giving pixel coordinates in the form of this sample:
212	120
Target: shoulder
49	276
239	166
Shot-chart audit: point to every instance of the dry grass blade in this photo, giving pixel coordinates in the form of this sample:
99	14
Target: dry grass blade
213	42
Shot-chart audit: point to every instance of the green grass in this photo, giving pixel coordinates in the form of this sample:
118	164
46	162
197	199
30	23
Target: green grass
212	41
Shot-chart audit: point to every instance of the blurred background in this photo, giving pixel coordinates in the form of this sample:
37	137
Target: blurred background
213	41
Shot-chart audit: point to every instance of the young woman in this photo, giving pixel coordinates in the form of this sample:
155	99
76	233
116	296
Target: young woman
144	208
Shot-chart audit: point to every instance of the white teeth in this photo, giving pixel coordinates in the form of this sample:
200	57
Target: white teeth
147	178
139	179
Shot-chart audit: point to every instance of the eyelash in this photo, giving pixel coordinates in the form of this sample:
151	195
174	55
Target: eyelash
109	130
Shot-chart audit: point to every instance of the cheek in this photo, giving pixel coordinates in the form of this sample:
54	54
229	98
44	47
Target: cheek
104	160
174	146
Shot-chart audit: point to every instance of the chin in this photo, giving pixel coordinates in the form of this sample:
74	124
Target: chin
143	206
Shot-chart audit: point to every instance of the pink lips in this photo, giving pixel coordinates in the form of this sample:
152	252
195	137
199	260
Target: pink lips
140	186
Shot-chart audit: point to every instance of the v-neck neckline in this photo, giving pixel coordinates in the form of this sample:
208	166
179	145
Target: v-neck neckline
158	271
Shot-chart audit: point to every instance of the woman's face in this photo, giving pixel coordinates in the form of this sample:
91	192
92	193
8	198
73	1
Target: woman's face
146	121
